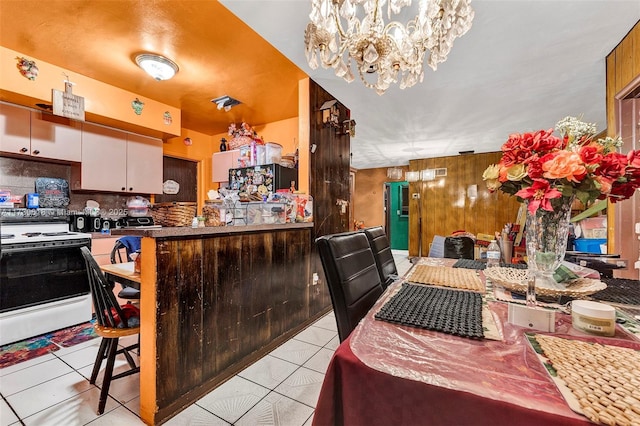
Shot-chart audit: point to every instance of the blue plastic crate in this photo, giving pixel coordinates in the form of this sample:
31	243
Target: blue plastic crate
590	245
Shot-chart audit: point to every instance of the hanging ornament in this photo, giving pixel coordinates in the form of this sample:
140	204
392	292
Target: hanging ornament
187	141
27	68
137	106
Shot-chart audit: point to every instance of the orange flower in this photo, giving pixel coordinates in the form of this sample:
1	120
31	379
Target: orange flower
563	165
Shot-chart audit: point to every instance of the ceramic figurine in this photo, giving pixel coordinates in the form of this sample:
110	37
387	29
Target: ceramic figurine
223	144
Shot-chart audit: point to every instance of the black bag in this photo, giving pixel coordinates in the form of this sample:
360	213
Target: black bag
458	248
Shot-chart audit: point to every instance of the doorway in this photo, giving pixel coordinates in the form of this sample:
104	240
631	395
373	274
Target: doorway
396	214
185	173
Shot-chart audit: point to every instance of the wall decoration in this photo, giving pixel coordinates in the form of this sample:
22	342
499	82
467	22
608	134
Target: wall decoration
167	118
137	106
170	187
27	68
187	141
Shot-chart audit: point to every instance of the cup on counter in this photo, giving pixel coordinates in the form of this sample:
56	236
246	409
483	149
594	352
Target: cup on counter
507	250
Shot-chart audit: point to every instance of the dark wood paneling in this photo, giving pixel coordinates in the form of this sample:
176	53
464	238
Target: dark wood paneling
222	298
184	172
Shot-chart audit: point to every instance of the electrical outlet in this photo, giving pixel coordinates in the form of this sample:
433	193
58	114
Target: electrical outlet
316	279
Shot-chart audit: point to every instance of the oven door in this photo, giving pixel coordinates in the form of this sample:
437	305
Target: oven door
35	273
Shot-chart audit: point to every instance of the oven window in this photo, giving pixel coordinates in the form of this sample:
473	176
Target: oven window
29	278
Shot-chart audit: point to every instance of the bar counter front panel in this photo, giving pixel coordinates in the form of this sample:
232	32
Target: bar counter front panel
217	298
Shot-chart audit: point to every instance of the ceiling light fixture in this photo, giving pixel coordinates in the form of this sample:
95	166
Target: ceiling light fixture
340	31
225	102
158	67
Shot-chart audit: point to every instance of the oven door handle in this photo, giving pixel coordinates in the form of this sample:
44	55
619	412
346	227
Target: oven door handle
44	245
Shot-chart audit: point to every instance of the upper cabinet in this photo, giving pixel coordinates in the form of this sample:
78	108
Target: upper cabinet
38	134
117	161
222	162
144	164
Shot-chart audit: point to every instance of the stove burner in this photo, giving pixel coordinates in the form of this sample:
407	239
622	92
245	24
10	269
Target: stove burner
55	234
6	236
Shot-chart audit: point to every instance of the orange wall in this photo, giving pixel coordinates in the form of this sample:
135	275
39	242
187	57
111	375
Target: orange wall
100	100
368	197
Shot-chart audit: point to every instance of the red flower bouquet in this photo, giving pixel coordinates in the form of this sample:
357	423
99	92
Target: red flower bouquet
542	168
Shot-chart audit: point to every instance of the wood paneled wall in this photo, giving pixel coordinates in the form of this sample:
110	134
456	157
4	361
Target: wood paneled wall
445	206
623	75
329	178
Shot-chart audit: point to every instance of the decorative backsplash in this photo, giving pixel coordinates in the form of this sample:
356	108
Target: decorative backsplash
19	176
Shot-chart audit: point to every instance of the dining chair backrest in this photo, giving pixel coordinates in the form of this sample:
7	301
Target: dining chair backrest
459	248
123	248
352	277
382	254
108	311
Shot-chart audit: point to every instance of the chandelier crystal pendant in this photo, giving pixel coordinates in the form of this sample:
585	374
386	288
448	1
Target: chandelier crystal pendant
344	30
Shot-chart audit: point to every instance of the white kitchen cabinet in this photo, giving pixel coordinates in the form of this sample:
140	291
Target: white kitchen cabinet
104	160
144	164
38	134
55	137
117	161
221	162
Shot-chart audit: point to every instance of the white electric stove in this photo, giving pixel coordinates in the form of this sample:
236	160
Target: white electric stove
43	279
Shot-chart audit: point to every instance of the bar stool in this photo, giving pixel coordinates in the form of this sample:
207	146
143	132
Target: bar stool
112	322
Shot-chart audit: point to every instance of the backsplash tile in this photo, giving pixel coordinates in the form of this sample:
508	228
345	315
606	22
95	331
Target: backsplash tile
19	175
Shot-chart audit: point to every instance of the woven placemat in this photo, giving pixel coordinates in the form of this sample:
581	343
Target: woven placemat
515	280
619	290
598	381
480	265
440	309
444	276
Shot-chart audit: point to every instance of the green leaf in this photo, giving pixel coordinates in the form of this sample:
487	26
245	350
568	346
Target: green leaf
595	208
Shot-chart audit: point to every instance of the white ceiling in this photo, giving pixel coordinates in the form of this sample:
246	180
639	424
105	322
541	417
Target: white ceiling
524	65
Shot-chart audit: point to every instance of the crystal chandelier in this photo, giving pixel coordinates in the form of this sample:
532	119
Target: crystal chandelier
342	30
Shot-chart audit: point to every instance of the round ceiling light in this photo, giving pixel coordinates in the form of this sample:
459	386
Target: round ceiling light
157	66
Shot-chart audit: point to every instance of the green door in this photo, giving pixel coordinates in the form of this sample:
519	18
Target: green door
397	214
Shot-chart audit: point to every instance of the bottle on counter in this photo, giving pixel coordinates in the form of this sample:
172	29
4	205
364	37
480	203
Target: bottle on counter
493	254
194	222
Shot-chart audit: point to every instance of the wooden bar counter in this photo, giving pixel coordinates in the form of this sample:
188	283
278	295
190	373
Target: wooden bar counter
213	300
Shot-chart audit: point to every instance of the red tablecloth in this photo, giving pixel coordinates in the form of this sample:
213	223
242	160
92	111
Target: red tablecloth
386	374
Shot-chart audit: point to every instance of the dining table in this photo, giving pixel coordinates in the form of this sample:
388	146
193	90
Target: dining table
386	373
123	273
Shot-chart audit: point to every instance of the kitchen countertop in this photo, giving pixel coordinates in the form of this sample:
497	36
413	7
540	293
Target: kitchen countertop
185	231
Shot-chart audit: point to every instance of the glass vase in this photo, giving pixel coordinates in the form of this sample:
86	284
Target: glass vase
546	234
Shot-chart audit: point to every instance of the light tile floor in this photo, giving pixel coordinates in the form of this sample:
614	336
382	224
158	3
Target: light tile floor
280	389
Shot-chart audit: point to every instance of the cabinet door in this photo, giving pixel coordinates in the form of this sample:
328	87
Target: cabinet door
144	164
104	159
15	130
55	137
222	162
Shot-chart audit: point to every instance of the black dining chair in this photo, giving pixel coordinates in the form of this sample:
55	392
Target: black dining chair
382	254
459	248
112	322
121	252
352	277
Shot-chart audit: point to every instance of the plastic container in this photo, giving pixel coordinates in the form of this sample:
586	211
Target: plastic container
591	245
593	317
273	153
214	213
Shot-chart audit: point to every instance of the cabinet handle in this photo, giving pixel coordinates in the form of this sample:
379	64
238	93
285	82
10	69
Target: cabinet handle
123	188
130	189
36	152
24	150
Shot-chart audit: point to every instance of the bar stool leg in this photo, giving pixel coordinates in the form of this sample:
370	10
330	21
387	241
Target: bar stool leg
98	362
108	373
